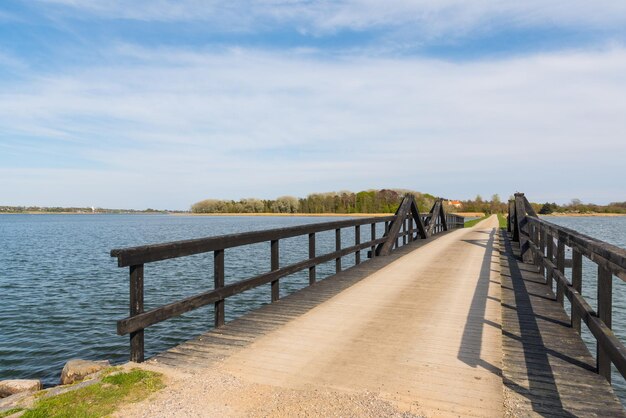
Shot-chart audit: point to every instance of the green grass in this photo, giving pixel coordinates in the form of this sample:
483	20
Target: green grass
502	220
99	399
10	412
469	224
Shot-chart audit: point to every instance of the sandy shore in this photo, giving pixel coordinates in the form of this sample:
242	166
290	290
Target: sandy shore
581	215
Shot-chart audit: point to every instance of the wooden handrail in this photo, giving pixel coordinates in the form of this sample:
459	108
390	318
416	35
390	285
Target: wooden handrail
406	225
607	255
157	252
543	243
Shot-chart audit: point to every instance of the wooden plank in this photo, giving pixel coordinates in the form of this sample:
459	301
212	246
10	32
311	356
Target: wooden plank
605	309
419	221
357	241
274	267
218	277
337	249
404	231
550	258
514	221
529	208
522	222
542	246
577	283
393	230
312	273
560	265
435	212
136	308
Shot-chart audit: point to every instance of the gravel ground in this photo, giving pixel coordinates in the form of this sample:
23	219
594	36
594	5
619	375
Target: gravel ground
216	393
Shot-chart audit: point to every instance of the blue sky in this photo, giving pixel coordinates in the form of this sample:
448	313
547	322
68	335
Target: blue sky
163	103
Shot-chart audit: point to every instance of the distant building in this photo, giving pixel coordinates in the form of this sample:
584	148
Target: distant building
455	203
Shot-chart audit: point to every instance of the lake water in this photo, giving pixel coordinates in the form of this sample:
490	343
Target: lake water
61	293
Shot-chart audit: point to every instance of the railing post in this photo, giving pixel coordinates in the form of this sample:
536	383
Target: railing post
549	256
312	277
535	240
560	266
513	209
605	307
404	229
218	279
275	266
357	241
577	281
136	307
337	248
522	228
373	236
542	247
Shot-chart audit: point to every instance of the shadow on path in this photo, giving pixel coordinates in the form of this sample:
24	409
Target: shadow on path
471	343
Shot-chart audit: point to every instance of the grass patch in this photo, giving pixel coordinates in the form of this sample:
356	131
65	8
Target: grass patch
469	224
502	220
101	398
9	412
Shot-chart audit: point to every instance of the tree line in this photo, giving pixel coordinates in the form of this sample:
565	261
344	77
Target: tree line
367	201
59	209
577	206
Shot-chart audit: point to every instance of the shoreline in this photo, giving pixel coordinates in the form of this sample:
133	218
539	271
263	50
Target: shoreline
303	215
582	215
291	215
88	213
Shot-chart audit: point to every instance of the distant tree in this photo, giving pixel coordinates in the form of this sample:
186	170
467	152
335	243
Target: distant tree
576	202
286	204
546	209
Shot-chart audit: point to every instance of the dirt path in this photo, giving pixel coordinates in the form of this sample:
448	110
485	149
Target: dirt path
419	337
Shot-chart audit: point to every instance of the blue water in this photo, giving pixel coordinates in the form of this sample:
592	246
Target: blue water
61	293
613	231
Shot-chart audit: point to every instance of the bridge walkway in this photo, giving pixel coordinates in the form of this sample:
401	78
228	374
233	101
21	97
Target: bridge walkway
416	333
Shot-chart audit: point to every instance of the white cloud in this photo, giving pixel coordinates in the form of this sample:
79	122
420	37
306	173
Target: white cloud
429	17
177	126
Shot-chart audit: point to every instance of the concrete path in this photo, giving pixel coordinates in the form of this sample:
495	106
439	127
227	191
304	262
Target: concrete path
421	336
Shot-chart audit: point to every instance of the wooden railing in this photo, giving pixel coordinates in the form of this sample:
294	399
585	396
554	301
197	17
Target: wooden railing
403	227
544	243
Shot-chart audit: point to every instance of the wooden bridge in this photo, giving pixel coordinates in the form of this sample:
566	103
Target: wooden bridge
436	321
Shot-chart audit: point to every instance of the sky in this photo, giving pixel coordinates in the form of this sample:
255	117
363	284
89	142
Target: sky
159	104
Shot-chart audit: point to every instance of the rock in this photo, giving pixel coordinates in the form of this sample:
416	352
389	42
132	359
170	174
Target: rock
76	369
11	387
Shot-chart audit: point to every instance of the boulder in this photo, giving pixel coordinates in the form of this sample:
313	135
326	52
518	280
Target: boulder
76	370
11	387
